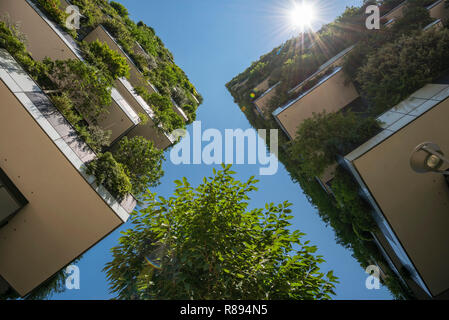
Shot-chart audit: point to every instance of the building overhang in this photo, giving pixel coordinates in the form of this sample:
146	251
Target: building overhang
292	102
409	208
267	92
64	36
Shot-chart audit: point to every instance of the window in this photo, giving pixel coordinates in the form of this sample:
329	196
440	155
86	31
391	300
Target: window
11	200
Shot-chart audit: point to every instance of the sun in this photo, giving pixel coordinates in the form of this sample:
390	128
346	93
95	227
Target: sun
302	15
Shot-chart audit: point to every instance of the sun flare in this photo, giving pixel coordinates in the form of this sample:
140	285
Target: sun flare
302	15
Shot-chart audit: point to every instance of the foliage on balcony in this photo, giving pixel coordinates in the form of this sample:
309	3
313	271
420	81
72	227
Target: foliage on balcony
320	138
142	163
111	174
82	93
156	62
100	55
88	88
411	61
162	106
52	9
120	9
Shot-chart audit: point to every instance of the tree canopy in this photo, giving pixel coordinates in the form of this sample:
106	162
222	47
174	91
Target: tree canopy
205	243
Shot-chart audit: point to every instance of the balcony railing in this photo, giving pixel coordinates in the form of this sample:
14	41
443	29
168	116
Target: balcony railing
323	67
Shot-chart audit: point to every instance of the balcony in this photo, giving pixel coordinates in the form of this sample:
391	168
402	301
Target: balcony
263	86
261	103
436	25
438	10
411	209
46	39
65	212
331	94
390	17
334	62
136	78
160	138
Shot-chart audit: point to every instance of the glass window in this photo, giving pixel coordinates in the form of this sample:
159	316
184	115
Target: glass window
11	200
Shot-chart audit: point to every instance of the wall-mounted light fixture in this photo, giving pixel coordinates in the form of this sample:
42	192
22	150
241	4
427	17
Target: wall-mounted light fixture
428	157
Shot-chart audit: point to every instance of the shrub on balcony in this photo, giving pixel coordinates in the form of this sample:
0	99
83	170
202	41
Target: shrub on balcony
324	136
94	136
354	210
400	68
163	108
110	174
10	40
52	9
100	55
87	87
120	9
415	17
142	163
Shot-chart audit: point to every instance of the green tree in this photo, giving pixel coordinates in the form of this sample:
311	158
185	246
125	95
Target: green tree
324	136
205	243
142	162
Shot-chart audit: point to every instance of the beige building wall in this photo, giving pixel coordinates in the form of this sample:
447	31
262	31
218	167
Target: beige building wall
41	40
418	292
64	216
415	205
263	86
395	13
439	11
115	120
124	92
262	102
150	132
331	96
332	65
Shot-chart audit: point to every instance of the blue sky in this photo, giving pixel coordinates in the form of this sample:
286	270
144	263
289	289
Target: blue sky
213	41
